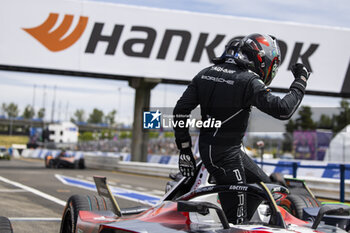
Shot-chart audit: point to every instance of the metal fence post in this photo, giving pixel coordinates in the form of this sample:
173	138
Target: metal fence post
295	167
342	182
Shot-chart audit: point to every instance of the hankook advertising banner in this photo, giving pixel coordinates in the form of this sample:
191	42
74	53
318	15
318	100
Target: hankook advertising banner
121	40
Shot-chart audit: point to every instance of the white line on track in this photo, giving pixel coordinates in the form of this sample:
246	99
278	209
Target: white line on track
12	191
34	191
140	189
126	186
154	191
91	186
13	219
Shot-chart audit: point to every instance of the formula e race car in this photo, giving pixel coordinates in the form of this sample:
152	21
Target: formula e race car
300	202
64	160
190	206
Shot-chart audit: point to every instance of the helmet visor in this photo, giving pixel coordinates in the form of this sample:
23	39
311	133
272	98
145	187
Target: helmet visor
272	71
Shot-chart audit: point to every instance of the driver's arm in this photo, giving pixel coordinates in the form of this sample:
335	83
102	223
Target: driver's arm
280	108
183	108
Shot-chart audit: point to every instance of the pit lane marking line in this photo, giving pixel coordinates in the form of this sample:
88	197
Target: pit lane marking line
12	191
154	191
34	191
126	186
139	175
140	189
34	219
157	192
127	194
91	179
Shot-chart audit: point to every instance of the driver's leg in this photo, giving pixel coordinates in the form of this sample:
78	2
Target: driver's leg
254	174
225	164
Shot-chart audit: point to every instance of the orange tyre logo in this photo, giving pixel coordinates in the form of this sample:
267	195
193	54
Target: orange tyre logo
53	41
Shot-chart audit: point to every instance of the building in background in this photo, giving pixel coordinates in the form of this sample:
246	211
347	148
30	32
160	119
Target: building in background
311	144
65	132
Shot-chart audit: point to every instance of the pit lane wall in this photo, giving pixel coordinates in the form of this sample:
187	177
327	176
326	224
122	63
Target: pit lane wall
321	170
322	177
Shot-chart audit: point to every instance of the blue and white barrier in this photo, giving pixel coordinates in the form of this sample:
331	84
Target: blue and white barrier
322	177
320	169
42	153
314	168
305	168
123	193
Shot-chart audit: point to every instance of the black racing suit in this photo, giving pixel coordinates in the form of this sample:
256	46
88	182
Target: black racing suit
226	92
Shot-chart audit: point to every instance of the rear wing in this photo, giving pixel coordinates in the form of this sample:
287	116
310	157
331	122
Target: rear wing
103	190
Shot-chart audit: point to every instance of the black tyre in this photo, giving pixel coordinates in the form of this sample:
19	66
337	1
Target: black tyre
76	164
77	203
46	163
5	225
51	164
314	202
101	203
295	204
81	164
169	185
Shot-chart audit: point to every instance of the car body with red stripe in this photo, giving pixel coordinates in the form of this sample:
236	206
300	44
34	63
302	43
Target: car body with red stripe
183	209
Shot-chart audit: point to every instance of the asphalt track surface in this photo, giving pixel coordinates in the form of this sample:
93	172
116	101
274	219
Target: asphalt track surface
33	198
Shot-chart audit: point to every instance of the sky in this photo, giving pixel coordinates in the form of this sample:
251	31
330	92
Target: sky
74	93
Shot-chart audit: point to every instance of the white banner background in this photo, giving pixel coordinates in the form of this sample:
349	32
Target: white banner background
18	48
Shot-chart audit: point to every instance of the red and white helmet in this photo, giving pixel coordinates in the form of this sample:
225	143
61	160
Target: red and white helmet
260	54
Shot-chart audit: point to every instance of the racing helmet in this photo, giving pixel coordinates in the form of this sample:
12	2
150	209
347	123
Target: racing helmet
259	53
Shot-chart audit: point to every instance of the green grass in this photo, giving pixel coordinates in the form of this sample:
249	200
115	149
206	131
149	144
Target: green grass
7	141
334	202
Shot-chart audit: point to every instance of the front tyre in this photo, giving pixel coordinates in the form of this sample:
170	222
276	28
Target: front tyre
74	204
295	204
5	225
78	203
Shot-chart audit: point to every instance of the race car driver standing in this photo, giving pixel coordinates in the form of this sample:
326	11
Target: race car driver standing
226	91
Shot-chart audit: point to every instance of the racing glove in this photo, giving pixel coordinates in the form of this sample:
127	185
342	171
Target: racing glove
300	71
187	164
301	75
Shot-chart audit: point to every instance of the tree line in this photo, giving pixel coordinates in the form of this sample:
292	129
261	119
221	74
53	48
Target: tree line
304	121
12	110
97	116
335	122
